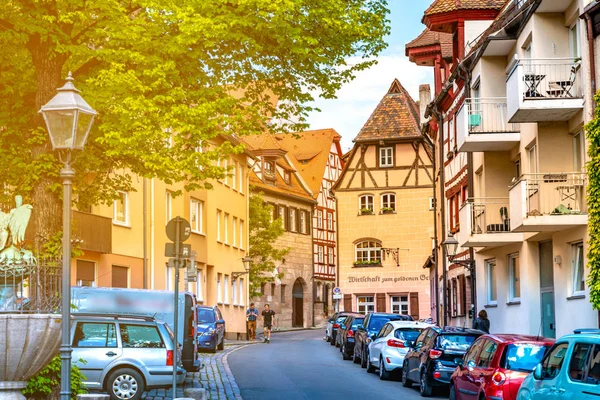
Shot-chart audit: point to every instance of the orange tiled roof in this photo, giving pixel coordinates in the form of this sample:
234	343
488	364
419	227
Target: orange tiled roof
395	117
429	38
279	186
444	6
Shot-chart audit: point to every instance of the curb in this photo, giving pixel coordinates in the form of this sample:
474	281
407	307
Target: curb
228	370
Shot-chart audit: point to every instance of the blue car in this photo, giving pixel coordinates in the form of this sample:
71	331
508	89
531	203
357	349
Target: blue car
570	370
211	329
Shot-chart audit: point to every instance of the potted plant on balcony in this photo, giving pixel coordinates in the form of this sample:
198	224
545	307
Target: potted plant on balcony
366	211
367	263
387	210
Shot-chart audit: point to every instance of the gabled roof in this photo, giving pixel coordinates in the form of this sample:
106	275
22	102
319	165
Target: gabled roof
395	117
445	6
431	38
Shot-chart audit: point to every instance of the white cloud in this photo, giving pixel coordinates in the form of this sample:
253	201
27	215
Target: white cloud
356	100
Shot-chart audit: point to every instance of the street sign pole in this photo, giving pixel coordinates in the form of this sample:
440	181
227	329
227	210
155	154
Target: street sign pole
176	299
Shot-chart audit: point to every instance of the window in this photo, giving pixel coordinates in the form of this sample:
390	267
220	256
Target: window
578	152
199	291
283	294
292	219
140	337
517	169
219	239
522	356
226	228
454	205
330	256
86	273
92	334
196	211
319	219
303	222
168	206
234	180
242	244
451	135
219	290
487	354
262	288
575	51
226	291
552	363
366	204
234	292
579	361
514	278
532	159
242	299
454	300
399	304
471	355
234	232
330	221
386	156
273	287
269	170
577	268
368	252
365	304
479	184
490	277
320	256
241	178
281	215
286	176
225	171
120	276
121	209
388	202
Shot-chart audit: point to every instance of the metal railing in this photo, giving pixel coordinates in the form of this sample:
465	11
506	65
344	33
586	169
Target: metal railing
561	193
488	115
551	78
489	215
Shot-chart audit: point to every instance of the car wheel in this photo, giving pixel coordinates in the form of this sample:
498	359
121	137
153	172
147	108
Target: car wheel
221	345
332	341
355	359
125	384
327	338
363	359
405	381
345	355
425	388
384	374
370	367
452	395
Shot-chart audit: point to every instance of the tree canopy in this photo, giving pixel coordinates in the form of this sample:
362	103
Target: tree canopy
160	71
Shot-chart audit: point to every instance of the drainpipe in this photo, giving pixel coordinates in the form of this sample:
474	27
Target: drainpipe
592	57
435	236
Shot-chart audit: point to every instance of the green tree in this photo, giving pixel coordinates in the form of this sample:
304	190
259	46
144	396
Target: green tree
264	231
152	67
593	201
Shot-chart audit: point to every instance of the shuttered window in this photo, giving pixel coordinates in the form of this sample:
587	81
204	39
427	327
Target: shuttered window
120	276
86	273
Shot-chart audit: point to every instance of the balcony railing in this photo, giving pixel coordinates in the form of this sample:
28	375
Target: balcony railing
489	216
488	115
555	193
93	232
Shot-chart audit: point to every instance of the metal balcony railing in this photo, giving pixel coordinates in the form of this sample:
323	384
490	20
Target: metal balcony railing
489	215
550	78
488	115
561	193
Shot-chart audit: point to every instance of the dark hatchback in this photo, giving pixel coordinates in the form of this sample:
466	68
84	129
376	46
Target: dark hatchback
336	320
369	329
346	334
430	360
211	328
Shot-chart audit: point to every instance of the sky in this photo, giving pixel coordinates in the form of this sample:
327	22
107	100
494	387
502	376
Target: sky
356	100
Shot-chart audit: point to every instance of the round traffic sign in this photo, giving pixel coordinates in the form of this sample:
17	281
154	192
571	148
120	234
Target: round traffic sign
337	290
185	230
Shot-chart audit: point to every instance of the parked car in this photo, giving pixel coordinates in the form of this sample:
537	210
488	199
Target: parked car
211	328
347	335
371	327
569	370
341	331
495	366
124	356
330	329
431	359
388	349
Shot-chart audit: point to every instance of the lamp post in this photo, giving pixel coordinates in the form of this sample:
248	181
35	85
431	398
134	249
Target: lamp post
247	265
451	245
69	119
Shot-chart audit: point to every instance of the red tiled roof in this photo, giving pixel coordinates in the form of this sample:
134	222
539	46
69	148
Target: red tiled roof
444	6
430	38
395	117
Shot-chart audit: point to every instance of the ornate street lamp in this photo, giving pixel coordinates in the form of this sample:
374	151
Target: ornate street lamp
247	264
69	119
451	246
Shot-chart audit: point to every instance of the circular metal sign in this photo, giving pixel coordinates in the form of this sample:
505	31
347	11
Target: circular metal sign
337	290
185	230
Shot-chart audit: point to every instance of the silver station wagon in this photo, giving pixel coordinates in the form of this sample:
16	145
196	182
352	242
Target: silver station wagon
124	356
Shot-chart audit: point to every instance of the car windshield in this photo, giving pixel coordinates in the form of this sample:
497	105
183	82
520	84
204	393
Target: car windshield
356	322
206	315
407	333
523	356
456	342
378	321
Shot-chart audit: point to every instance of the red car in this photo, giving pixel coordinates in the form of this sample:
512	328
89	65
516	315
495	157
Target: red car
495	365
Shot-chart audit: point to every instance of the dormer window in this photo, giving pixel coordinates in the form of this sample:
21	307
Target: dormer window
269	169
286	176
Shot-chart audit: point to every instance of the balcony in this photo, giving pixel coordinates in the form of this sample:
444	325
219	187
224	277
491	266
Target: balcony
541	90
94	232
487	224
546	202
482	125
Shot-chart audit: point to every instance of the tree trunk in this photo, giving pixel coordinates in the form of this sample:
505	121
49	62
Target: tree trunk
46	219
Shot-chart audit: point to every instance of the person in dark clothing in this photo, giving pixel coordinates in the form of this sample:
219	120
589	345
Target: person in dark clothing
482	322
268	321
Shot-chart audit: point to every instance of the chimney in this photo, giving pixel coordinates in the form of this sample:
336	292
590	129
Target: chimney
424	100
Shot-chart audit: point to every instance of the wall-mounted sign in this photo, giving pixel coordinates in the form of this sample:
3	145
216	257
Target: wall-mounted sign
394	279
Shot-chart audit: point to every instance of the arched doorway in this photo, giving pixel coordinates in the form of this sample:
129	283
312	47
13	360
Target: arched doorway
298	304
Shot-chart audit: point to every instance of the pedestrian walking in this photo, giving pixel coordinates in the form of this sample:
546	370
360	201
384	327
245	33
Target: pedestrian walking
251	315
482	322
268	321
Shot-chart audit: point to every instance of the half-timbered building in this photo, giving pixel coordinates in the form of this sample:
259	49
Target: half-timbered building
384	218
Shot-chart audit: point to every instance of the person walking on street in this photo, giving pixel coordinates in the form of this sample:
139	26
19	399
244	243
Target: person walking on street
268	321
482	322
251	315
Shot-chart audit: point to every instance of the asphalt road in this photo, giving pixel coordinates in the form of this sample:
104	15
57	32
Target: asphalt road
301	365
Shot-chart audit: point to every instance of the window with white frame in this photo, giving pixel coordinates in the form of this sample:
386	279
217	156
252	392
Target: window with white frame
490	281
226	171
121	209
330	256
399	304
241	178
199	288
281	215
226	228
219	290
514	277
302	221
226	291
234	231
365	204
242	244
368	252
365	304
292	219
234	181
219	213
319	219
330	221
234	293
532	159
578	152
242	299
388	202
168	206
320	256
577	267
574	48
386	156
196	211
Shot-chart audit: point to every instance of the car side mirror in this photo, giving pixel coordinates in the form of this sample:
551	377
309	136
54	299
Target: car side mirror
220	322
458	362
537	372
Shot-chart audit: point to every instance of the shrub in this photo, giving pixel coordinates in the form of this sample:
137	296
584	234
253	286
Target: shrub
45	385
